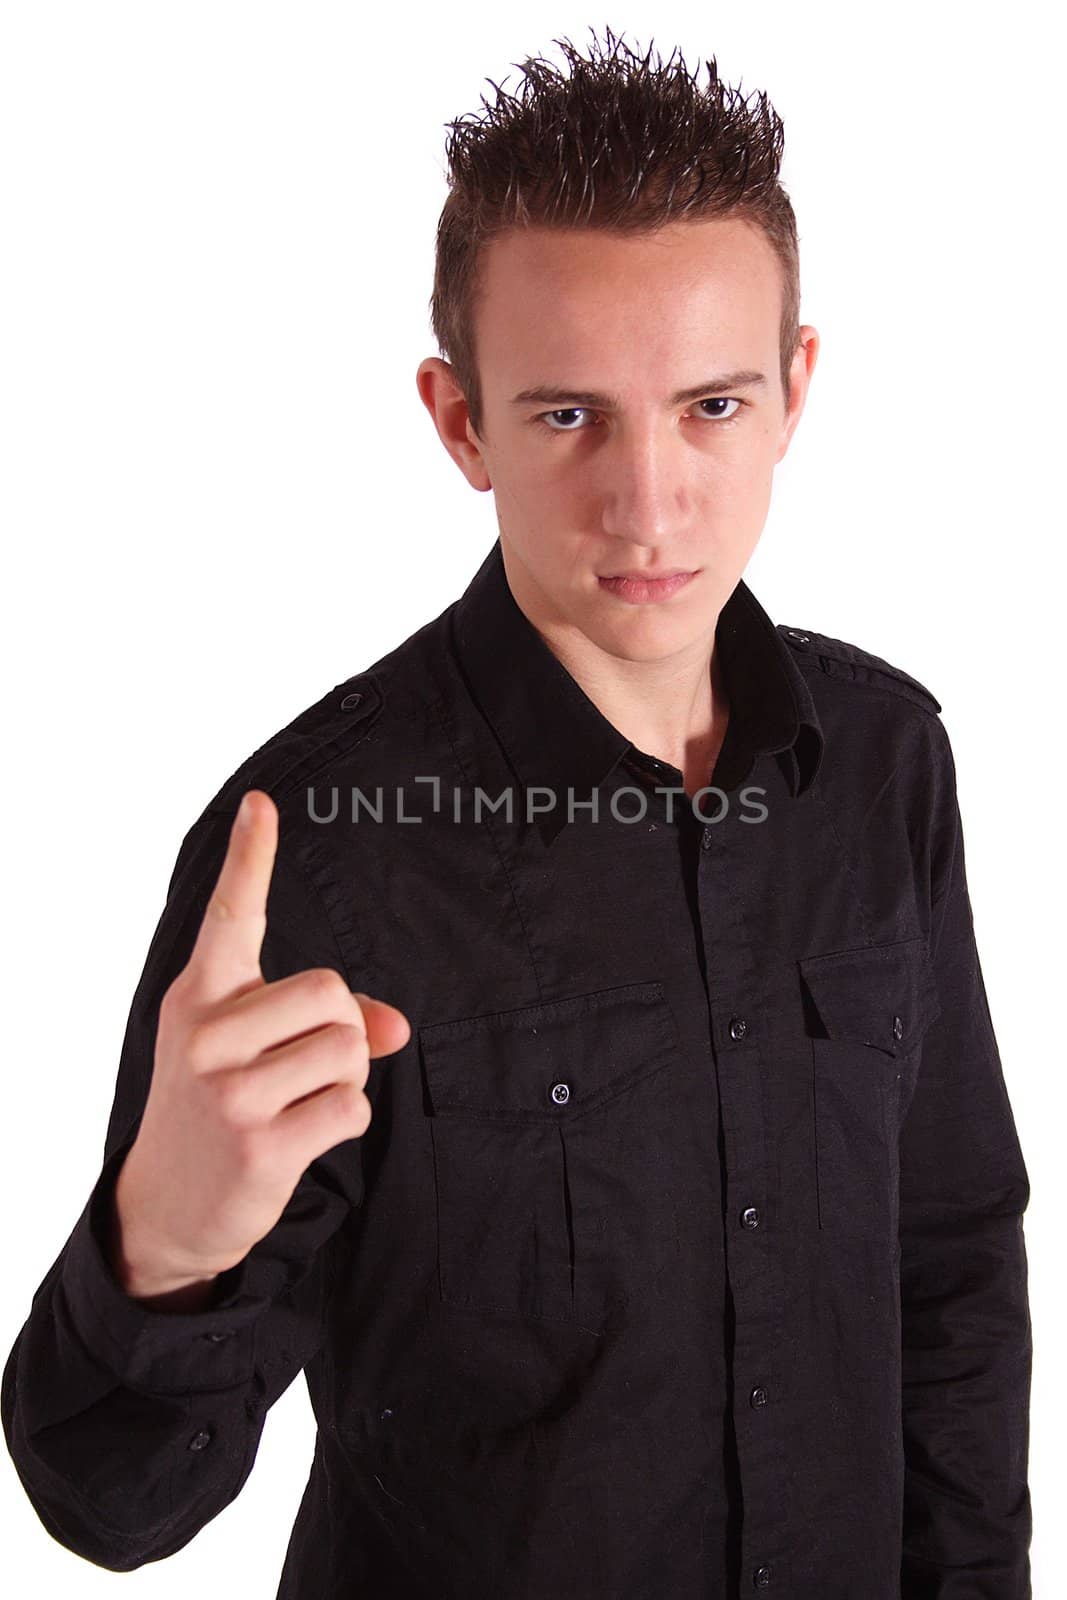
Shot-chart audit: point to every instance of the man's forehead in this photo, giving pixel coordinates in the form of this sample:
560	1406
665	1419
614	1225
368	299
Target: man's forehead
582	277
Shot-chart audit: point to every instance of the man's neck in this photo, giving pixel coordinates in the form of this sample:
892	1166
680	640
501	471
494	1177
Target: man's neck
674	710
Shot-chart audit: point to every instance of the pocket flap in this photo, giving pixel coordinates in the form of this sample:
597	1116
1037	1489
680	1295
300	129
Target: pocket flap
882	995
543	1062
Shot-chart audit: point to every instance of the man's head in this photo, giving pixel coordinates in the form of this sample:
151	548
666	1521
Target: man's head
617	242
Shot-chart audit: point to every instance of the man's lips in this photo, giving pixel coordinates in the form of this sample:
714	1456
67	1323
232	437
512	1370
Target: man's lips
641	587
646	575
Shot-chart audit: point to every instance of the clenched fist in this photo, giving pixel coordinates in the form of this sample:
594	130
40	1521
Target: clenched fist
251	1082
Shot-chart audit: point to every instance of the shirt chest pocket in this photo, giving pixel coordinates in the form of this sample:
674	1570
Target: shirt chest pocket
866	1012
551	1151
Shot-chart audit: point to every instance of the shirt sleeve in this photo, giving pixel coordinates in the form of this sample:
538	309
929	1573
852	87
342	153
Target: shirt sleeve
966	1334
131	1427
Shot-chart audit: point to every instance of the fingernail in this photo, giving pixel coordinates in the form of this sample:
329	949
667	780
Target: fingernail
244	812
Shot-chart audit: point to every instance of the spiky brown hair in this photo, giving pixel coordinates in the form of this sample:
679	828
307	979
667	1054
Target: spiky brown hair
625	144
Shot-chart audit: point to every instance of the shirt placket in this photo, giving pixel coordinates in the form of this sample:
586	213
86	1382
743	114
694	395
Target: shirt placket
754	1268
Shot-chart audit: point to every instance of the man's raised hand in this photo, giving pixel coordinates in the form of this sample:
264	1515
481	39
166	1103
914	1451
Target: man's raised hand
251	1082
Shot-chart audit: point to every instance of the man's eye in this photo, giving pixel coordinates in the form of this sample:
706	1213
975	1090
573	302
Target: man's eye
720	400
550	419
569	411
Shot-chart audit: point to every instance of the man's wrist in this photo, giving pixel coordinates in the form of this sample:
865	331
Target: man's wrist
141	1274
156	1294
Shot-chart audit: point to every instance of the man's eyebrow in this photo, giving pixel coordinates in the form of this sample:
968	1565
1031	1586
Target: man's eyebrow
546	395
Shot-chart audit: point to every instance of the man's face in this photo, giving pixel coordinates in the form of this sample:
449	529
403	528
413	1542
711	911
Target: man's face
636	480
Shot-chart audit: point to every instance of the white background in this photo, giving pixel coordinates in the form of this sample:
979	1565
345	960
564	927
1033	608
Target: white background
218	224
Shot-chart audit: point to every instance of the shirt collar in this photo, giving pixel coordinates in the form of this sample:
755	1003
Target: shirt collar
554	736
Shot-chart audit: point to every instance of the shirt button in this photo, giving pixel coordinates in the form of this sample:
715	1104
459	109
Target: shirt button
200	1440
758	1397
750	1217
560	1093
738	1027
350	702
215	1337
761	1578
898	1028
705	839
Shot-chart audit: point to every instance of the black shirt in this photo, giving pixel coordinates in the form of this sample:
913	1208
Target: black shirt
683	1256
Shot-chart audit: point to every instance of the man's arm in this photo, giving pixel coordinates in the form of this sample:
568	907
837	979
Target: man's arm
965	1313
130	1426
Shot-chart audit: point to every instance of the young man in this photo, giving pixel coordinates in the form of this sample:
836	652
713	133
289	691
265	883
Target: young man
676	1249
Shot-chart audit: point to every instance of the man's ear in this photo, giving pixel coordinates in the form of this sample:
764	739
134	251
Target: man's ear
443	398
800	371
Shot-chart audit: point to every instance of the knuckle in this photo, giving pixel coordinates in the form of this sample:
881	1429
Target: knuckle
218	908
348	1055
350	1040
326	983
198	1048
178	995
363	1114
235	1100
357	1014
355	1108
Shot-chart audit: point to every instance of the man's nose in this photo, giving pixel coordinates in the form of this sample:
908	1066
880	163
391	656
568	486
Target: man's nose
644	493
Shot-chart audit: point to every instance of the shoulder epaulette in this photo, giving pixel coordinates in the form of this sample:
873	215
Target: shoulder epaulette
332	726
838	659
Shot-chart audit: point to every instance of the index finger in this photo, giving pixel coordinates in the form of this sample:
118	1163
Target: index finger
226	953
